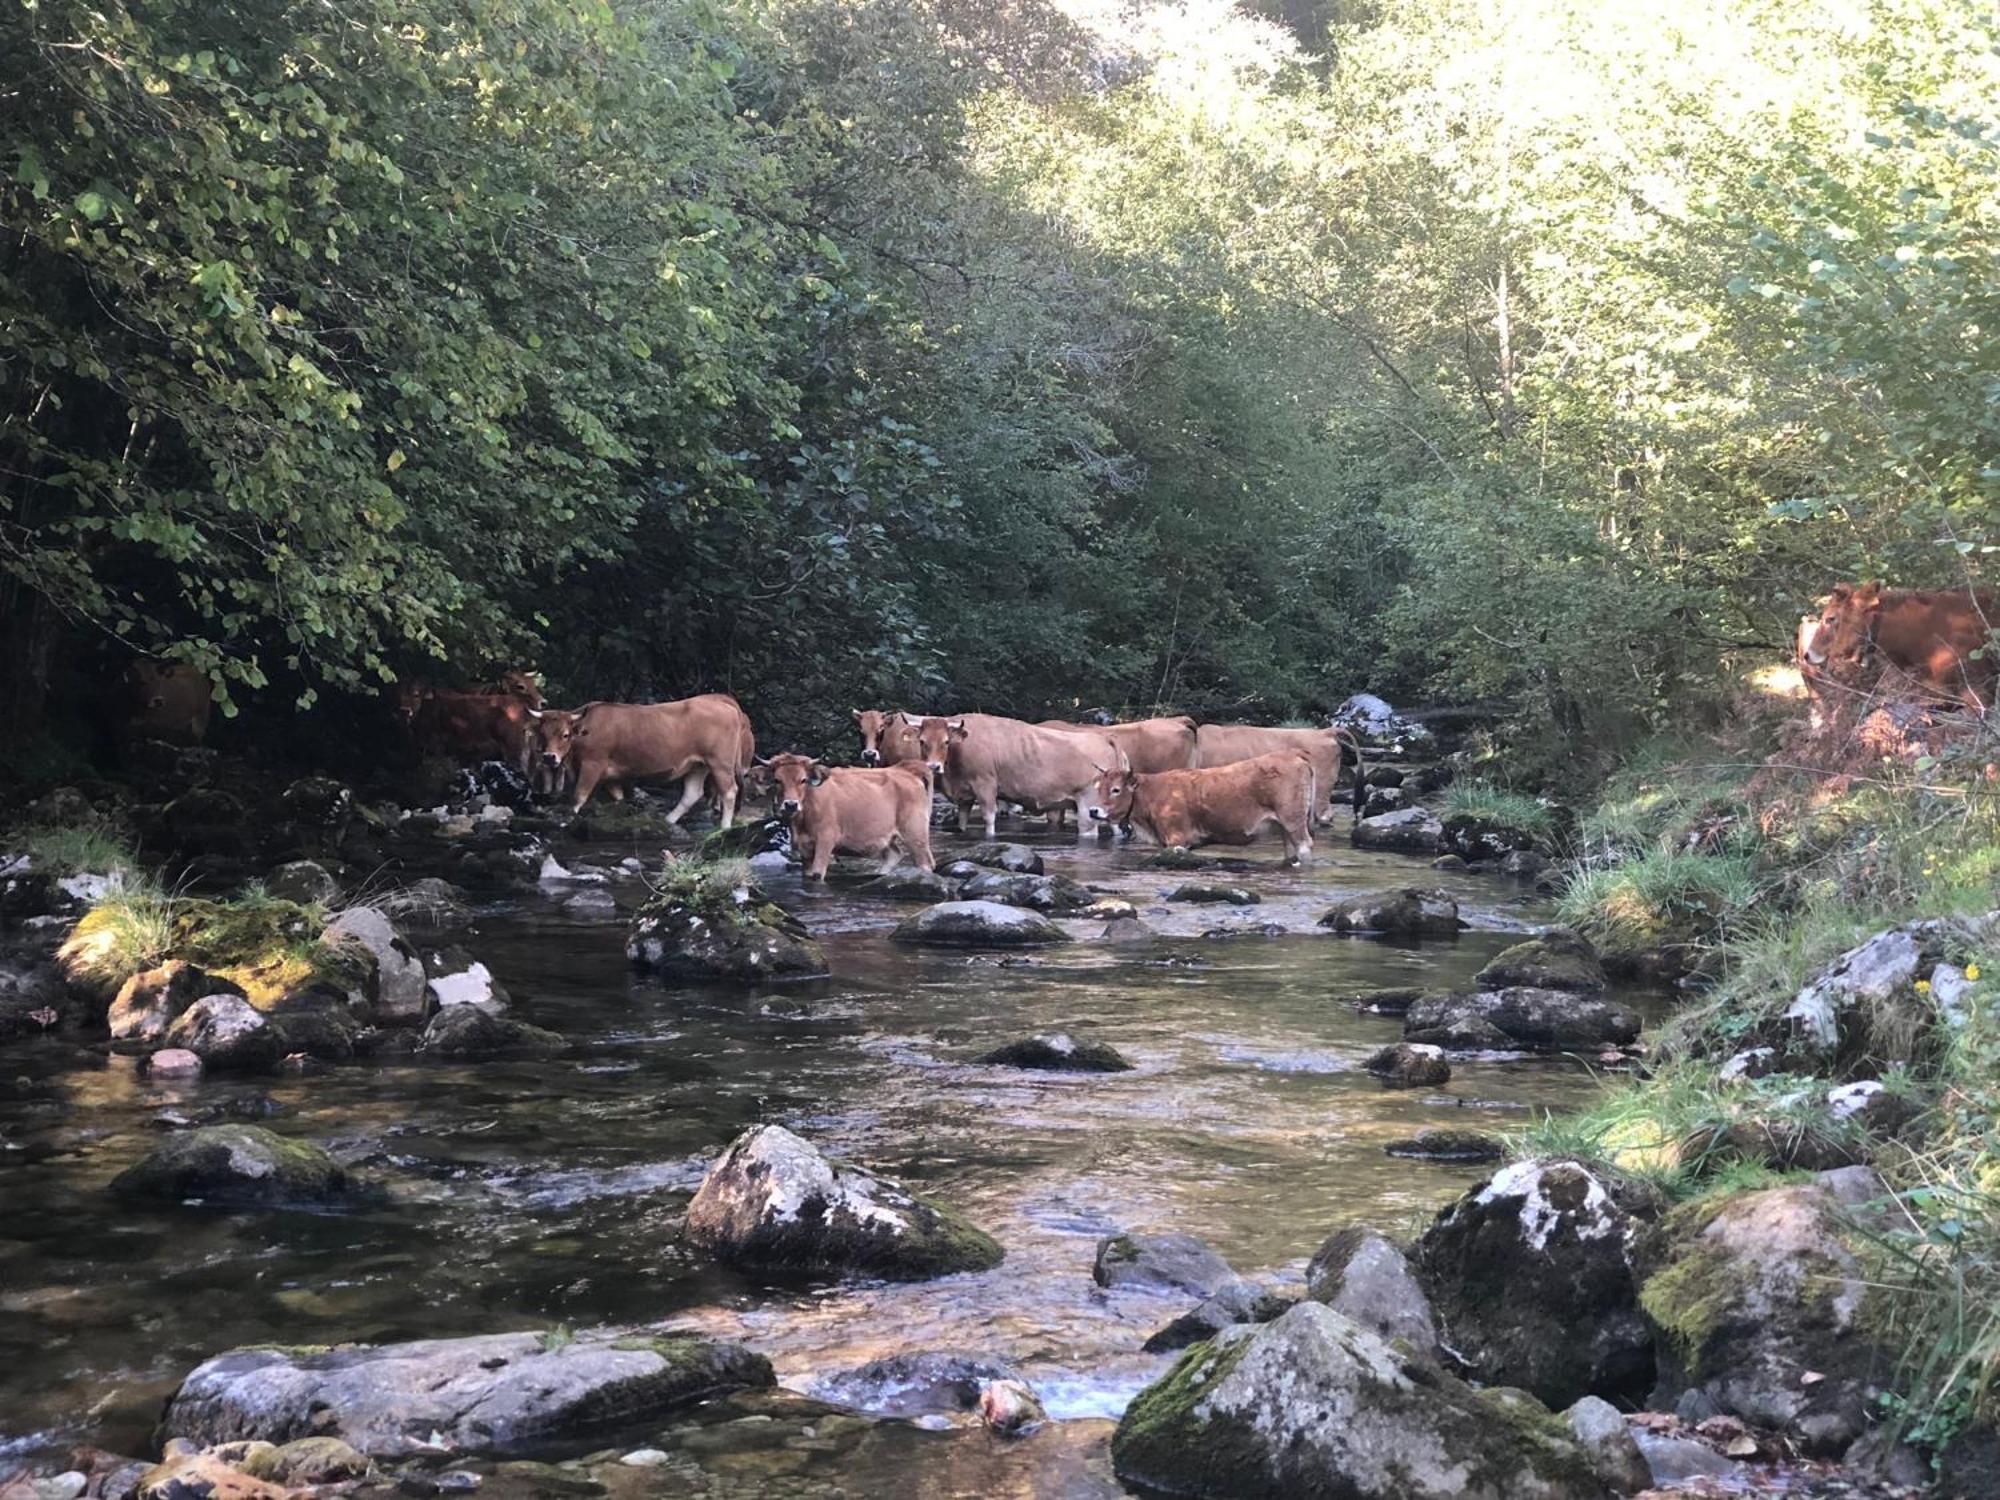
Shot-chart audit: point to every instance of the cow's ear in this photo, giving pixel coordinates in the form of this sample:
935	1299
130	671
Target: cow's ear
815	773
1841	593
1870	594
857	714
957	728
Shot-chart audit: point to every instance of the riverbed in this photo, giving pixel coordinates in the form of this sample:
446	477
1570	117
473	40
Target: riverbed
532	1193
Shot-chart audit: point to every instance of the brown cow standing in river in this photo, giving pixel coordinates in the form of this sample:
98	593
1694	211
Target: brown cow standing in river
982	758
1330	749
1149	744
1220	804
693	740
842	810
1930	635
888	736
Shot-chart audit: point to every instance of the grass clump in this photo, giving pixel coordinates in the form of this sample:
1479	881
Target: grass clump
265	946
87	848
702	883
129	929
1497	805
1663	899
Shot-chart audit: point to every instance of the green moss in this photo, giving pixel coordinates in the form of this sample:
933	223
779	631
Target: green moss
1522	1434
1147	1439
265	946
1690	1301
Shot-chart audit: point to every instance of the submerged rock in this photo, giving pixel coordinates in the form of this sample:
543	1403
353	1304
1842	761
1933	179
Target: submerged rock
1043	893
1236	1302
1408	912
1315	1407
228	1034
979	924
909	1385
1448	1145
1057	1052
467	1031
234	1164
1537	1020
1532	1281
495	1393
1557	960
1410	1065
738	937
1361	1275
1204	892
1160	1262
1413	830
773	1200
912	884
1017	859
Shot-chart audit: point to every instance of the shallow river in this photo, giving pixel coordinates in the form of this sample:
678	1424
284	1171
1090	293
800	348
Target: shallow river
524	1194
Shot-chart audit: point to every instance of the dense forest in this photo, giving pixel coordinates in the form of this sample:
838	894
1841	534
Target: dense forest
1002	356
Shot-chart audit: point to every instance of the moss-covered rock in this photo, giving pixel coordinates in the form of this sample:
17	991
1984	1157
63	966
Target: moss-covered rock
772	1200
1409	1065
1556	960
732	935
1535	1020
1408	912
464	1032
234	1164
1445	1144
1057	1052
1315	1407
496	1393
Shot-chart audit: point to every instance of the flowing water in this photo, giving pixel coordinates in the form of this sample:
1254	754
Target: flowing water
522	1194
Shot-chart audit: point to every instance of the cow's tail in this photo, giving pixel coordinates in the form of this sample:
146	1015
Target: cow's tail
1350	744
1312	796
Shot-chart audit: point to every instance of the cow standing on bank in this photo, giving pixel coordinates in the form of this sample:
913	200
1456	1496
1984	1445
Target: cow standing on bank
877	814
1936	637
1217	805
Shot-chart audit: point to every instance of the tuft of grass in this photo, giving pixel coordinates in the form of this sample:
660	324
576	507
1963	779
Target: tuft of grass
702	882
265	946
130	929
1492	804
1664	897
75	849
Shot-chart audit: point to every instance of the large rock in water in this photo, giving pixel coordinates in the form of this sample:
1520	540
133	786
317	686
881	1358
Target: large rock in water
228	1034
1160	1262
1751	1296
1557	960
1361	1275
1413	830
1057	1052
491	1394
1016	859
395	984
979	924
742	939
1315	1407
234	1164
466	1031
1538	1020
1043	893
1532	1282
773	1201
1405	913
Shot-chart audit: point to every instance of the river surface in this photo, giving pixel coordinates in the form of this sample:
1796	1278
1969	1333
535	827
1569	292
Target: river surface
522	1194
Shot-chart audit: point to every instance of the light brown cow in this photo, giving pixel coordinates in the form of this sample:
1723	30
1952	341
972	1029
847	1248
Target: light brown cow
1330	749
549	747
981	758
1218	805
167	700
694	740
1149	744
888	736
842	810
1931	635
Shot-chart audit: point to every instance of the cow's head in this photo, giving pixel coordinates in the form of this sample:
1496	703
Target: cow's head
934	739
409	701
887	738
522	685
554	731
1844	635
1112	793
788	777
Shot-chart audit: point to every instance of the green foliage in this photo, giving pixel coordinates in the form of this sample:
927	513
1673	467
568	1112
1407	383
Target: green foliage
1492	804
1659	898
131	929
75	849
702	883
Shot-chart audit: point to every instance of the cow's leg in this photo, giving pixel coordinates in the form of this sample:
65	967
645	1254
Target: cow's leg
726	787
989	808
917	842
587	777
691	789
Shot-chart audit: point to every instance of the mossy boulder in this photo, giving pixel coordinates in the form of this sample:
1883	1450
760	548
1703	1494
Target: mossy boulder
234	1164
632	822
1057	1052
979	924
496	1393
1315	1407
736	935
773	1201
1531	1278
320	1021
318	1460
1408	912
1750	1294
1556	960
1530	1019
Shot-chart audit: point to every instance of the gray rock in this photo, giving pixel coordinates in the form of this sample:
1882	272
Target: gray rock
305	881
173	1062
1480	838
396	985
1363	1276
978	924
1043	893
1384	799
1675	1460
1757	1294
745	939
1204	893
1315	1407
909	1385
772	1200
1414	830
1556	960
468	1031
1017	859
912	884
1531	1279
591	902
148	1003
1237	1302
1752	1062
1160	1262
1448	1145
1524	864
1057	1052
1010	1408
1408	912
228	1034
496	1393
1875	971
1608	1440
320	1022
1410	1065
1538	1020
457	978
234	1164
318	1460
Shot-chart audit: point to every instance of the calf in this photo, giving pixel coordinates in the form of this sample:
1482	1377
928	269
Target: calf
888	736
1330	749
1217	805
982	758
693	740
1937	637
879	814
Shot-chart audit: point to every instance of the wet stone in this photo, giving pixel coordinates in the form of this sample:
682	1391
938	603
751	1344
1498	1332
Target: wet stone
1057	1052
1201	892
1160	1262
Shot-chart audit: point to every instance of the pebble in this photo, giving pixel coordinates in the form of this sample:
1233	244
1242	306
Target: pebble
644	1458
458	1482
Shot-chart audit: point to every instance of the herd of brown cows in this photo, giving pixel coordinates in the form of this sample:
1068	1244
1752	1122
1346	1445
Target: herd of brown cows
1933	640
